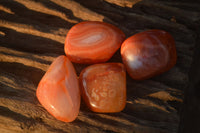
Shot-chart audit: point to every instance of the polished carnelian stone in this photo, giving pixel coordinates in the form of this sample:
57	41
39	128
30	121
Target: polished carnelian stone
92	42
148	53
58	90
103	87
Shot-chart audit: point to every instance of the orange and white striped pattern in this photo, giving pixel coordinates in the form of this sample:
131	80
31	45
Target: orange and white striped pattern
93	42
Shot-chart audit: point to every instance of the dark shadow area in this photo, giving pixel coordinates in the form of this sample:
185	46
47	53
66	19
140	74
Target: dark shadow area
176	105
165	79
79	67
135	90
190	115
141	89
116	57
183	4
29	43
150	113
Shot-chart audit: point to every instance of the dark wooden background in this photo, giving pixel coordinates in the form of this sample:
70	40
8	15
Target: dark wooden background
32	35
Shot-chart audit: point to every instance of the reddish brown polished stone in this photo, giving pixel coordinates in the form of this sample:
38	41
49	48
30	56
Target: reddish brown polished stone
58	90
103	87
92	42
148	53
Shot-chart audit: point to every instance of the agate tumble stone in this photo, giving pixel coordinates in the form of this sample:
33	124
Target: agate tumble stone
92	42
103	87
58	90
148	53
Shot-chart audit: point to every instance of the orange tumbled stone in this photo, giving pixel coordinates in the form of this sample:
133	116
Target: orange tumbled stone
92	42
58	90
148	53
103	87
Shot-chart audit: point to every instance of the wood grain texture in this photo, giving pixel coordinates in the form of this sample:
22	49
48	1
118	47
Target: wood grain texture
32	35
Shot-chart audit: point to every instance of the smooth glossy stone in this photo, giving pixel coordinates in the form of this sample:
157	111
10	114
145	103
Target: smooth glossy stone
92	42
148	53
103	87
58	90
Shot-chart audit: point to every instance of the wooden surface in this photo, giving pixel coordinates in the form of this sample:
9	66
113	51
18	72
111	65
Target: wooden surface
32	34
190	110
